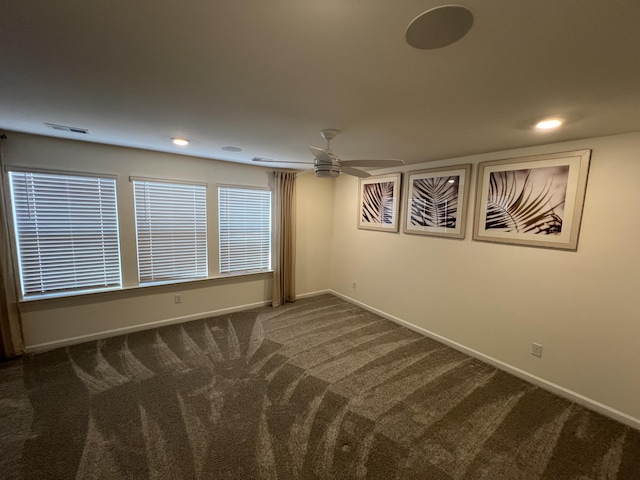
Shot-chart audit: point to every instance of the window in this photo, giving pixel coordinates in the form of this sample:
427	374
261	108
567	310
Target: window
245	229
171	228
67	232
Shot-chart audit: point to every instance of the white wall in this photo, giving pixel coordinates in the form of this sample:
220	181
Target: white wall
583	307
314	208
55	322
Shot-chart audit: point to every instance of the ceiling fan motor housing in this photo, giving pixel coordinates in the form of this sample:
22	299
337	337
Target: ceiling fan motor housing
327	170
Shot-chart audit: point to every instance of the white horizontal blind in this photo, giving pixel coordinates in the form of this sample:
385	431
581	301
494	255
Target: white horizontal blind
245	229
171	227
67	232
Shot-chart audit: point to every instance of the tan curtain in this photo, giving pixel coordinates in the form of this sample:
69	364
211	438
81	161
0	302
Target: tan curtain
284	238
11	341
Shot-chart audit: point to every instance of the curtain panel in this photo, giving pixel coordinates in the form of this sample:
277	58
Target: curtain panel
11	340
284	238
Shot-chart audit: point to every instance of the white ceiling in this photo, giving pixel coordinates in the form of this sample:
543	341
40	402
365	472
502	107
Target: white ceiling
267	76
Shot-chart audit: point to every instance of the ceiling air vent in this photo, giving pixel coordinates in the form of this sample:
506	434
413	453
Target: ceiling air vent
65	128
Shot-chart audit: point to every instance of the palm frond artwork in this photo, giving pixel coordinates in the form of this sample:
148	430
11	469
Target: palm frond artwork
527	200
434	202
378	203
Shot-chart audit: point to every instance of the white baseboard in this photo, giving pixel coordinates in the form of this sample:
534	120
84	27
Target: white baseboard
65	342
540	382
314	294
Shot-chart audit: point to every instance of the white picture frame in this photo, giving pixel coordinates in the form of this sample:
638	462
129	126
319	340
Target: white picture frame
535	201
379	203
436	201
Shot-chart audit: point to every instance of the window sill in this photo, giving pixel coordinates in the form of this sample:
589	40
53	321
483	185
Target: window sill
149	288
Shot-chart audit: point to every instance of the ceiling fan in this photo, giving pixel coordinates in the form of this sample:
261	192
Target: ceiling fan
326	164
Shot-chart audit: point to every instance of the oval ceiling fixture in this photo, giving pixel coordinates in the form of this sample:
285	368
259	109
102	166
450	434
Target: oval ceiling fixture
181	142
548	124
439	27
231	149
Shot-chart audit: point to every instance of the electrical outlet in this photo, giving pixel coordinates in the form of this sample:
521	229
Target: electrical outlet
536	350
177	299
354	285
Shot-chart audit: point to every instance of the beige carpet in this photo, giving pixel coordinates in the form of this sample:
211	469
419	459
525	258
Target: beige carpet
319	389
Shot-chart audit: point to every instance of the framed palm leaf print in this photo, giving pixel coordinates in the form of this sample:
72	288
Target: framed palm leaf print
379	203
436	201
534	201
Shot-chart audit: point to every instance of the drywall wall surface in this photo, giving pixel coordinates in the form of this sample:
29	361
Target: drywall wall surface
314	210
496	299
47	322
58	322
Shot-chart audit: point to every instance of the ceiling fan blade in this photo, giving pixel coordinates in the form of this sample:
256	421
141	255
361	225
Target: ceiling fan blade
268	160
321	155
355	172
305	172
379	163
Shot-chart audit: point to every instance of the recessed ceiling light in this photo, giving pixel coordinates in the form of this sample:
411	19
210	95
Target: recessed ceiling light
451	180
231	149
439	27
548	124
180	141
